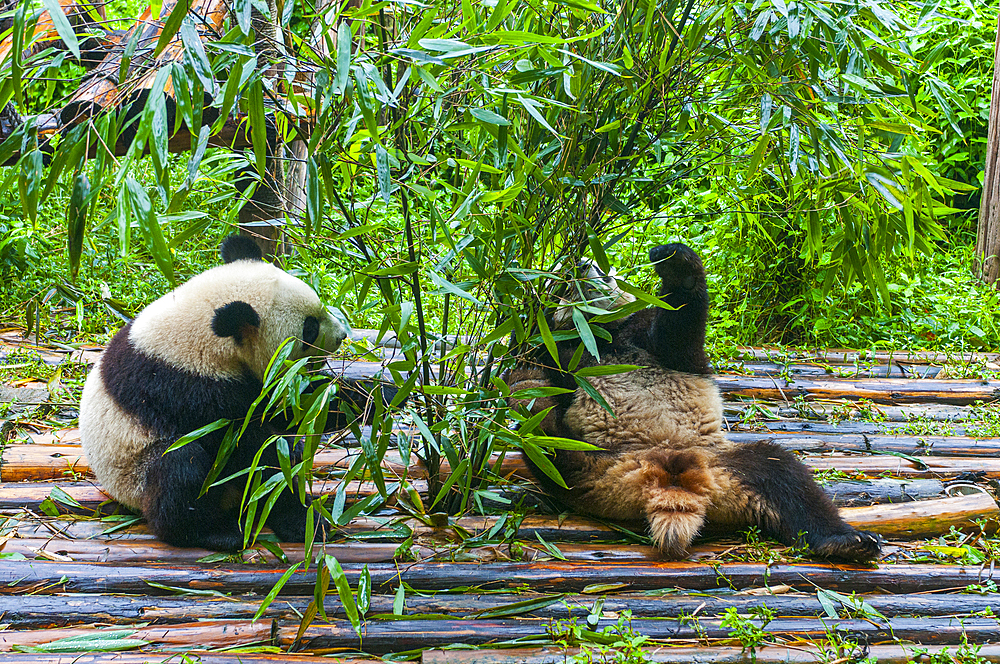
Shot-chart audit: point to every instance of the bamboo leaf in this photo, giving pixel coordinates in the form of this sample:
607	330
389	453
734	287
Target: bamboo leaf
343	57
344	591
543	463
76	220
171	26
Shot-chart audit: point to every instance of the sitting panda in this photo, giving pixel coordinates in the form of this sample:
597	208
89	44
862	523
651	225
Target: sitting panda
194	356
664	457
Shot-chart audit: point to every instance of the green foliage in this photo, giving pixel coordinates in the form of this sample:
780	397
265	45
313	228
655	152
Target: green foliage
749	630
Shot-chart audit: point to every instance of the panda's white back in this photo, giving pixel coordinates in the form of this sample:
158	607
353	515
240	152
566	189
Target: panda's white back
112	440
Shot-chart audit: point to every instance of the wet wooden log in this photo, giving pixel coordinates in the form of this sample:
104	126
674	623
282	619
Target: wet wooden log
926	518
817	411
166	657
914	445
901	521
192	636
90	497
393	636
943	467
822	370
885	390
55	577
35	463
878	491
850	356
797	654
123	552
35	611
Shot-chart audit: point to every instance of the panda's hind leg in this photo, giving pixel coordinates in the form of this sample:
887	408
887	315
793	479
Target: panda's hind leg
176	514
769	488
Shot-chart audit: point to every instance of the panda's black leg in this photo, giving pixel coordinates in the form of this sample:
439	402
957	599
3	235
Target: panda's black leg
677	337
287	517
776	492
174	511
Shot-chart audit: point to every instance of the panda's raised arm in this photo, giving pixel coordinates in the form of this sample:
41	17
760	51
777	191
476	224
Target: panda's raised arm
677	337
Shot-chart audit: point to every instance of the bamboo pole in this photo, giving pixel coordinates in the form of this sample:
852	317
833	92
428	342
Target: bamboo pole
173	657
34	463
192	636
397	635
909	520
849	356
926	518
884	390
797	654
90	496
34	611
18	576
124	552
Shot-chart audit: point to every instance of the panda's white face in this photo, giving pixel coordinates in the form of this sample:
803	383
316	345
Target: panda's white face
591	285
181	327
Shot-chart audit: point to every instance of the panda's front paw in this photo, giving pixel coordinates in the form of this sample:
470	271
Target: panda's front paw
853	545
678	266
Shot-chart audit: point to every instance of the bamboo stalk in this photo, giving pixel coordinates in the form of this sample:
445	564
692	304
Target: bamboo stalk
393	636
798	654
121	552
47	462
816	411
849	356
172	657
925	518
884	390
192	636
33	611
90	496
55	577
909	520
938	446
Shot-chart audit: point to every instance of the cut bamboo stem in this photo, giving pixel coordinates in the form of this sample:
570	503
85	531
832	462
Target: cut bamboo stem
926	518
910	520
172	657
798	654
35	463
192	636
56	577
397	635
34	611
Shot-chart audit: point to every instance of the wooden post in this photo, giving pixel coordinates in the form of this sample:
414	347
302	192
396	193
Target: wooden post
988	232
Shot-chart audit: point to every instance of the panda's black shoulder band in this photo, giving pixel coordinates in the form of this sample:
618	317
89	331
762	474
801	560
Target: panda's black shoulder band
236	319
240	247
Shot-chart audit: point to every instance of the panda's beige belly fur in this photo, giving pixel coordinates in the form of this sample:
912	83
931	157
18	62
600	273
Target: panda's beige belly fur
112	441
693	420
664	465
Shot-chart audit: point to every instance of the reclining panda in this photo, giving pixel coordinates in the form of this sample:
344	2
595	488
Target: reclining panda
664	457
194	356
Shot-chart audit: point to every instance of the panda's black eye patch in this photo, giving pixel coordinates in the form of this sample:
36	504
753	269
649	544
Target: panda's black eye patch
310	329
236	319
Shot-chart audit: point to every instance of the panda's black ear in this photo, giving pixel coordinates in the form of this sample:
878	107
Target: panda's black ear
240	247
236	319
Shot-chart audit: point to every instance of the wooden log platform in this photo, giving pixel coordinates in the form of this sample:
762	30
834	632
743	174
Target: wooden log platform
903	451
